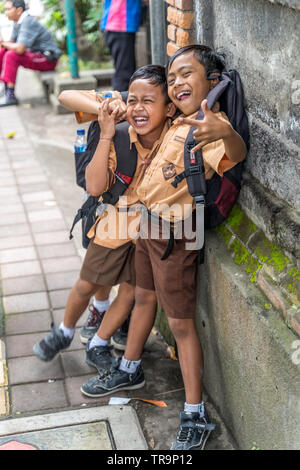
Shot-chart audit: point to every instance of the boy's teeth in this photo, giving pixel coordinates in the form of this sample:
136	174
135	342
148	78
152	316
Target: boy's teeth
183	93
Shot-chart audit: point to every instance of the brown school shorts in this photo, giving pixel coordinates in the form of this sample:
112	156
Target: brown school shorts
174	279
107	266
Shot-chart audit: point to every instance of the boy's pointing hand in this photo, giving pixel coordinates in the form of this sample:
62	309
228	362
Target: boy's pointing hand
210	129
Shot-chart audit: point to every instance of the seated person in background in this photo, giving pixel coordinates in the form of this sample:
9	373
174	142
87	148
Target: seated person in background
31	45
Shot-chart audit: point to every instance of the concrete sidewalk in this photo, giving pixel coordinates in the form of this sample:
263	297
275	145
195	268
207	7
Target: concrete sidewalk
38	266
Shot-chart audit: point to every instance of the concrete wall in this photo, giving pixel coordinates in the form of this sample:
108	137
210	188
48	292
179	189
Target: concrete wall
248	310
261	39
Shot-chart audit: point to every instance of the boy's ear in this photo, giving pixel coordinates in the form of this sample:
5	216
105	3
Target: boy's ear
171	110
213	83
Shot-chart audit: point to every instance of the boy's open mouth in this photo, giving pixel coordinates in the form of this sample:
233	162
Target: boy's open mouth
140	121
182	95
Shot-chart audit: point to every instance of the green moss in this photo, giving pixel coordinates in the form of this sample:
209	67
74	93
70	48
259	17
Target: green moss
244	258
242	226
223	231
268	253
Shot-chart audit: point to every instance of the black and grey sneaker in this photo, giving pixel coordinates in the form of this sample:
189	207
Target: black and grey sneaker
193	432
113	380
92	324
48	347
119	340
99	357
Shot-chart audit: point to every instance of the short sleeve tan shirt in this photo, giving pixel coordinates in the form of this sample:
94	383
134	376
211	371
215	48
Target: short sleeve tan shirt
156	191
114	228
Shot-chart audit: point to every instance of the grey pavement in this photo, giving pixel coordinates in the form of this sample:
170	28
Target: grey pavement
38	266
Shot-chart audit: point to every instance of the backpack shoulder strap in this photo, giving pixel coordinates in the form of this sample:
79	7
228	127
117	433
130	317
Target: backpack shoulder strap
126	164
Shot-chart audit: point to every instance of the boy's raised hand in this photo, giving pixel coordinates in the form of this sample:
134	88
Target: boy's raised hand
107	120
210	129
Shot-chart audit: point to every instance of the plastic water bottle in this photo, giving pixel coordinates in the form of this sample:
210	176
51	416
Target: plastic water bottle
80	142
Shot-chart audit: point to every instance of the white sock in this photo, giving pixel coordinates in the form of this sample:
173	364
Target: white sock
97	341
101	305
129	366
68	332
198	408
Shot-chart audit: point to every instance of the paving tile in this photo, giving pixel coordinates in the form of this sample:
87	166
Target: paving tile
31	178
60	236
31	369
74	364
14	230
13	219
21	345
29	322
14	255
56	250
30	188
58	298
23	285
7	191
26	302
11	209
38	196
63	280
29	170
10	199
7	181
26	268
39	205
15	242
66	264
48	226
47	214
28	163
38	396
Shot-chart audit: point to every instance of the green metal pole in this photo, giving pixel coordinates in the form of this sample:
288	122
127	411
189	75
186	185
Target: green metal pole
71	37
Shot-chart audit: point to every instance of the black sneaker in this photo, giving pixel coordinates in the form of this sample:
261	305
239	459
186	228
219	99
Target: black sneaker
91	325
48	347
119	339
113	380
193	432
8	101
99	357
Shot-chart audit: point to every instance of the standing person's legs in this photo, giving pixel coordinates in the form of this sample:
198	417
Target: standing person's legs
122	49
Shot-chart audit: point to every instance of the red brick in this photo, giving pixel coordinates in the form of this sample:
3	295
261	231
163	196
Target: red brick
172	15
184	38
170	2
171	48
172	32
180	18
184	4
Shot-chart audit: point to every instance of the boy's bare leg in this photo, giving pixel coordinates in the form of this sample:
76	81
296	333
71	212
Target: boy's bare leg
141	323
118	311
190	357
78	301
102	293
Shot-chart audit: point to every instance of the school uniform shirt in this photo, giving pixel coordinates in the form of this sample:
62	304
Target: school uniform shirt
118	217
156	191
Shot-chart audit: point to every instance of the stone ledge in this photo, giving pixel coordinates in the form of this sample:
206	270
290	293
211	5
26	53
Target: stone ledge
287	3
265	264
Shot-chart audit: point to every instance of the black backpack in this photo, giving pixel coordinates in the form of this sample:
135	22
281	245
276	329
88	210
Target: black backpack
126	166
214	198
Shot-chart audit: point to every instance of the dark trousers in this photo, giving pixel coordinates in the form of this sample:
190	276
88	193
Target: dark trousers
122	49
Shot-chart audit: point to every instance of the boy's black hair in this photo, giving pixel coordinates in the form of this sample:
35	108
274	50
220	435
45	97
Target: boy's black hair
211	60
18	3
155	74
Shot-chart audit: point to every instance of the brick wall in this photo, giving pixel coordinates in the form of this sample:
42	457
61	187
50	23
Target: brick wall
180	17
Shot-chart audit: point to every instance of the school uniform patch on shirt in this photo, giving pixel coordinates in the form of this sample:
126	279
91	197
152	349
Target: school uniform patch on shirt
169	171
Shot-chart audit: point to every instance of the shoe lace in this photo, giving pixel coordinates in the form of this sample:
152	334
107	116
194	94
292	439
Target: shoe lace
185	434
94	316
107	374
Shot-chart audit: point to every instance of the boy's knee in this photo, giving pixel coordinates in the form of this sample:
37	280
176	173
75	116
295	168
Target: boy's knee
85	288
180	327
144	296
